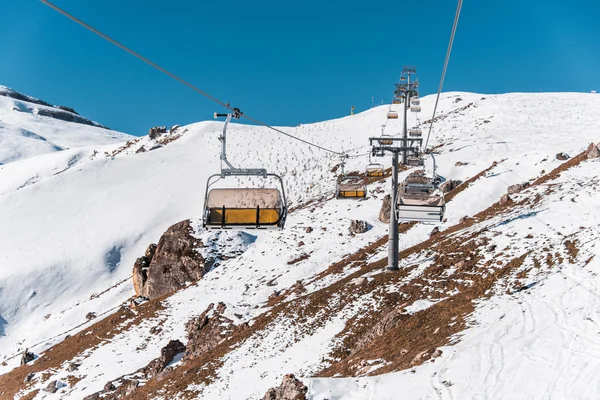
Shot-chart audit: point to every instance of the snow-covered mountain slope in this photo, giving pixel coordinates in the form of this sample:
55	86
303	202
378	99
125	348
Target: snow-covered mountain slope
30	127
79	232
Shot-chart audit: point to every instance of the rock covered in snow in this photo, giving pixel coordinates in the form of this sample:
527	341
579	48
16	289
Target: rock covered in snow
290	389
357	226
156	131
512	189
562	156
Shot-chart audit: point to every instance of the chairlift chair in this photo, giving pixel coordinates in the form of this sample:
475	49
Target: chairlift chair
414	161
415	105
392	115
242	208
419	200
351	186
396	101
415	132
385	140
374	170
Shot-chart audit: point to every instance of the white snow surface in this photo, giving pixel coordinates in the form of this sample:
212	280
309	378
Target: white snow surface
24	133
72	224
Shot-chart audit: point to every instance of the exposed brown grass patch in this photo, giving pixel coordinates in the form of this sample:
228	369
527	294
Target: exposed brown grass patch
69	348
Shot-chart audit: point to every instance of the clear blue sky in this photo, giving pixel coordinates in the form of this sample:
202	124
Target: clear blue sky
287	62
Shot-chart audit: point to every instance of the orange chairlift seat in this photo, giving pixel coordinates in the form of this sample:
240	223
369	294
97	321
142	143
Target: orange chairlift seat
392	114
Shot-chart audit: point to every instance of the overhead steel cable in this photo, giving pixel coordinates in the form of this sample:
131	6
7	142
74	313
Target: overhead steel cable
181	80
448	52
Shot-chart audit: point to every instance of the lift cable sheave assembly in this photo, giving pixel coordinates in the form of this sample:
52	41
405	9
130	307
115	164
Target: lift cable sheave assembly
242	207
181	80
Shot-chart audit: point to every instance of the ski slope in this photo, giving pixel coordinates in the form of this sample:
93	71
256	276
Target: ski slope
75	221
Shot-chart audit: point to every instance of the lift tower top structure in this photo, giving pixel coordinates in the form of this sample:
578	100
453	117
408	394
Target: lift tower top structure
407	88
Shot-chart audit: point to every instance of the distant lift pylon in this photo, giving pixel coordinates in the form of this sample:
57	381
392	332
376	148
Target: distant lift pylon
242	208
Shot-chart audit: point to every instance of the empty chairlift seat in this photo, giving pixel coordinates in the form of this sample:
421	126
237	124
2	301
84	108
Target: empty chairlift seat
244	208
419	200
415	132
397	100
375	170
392	115
415	105
351	187
414	161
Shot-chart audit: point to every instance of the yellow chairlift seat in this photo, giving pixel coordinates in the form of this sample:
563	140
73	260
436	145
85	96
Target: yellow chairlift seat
244	208
397	101
392	115
351	187
375	170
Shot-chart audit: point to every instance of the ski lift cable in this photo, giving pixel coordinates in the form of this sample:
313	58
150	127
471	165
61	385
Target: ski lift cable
181	80
448	52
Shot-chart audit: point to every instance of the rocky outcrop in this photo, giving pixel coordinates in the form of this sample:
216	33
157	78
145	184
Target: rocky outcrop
156	131
167	354
592	151
171	264
512	189
386	206
450	185
357	226
505	199
140	269
27	356
290	389
207	330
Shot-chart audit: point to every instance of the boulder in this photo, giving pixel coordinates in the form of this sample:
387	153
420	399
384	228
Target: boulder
562	156
512	189
434	231
167	354
386	206
140	269
450	185
505	199
357	226
52	387
175	262
27	356
90	316
460	163
290	389
592	151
